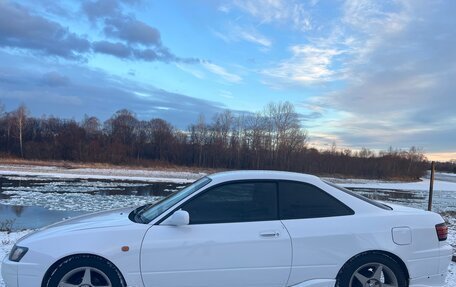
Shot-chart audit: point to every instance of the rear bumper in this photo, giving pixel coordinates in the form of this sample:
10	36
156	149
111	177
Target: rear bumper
429	281
442	261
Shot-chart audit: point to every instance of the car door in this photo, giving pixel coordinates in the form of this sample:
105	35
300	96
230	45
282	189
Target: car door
320	227
234	239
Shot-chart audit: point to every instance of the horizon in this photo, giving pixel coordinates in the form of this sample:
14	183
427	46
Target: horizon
360	73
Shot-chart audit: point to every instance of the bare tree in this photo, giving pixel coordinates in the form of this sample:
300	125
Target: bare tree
20	115
365	153
198	137
286	130
91	125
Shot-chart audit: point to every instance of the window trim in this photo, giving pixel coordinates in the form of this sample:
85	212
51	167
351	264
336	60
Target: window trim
350	210
276	183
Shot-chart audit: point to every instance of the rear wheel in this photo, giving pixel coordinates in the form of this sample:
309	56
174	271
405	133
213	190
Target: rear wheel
85	271
372	270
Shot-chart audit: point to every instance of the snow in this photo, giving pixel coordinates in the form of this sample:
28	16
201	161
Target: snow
7	241
422	185
68	186
101	173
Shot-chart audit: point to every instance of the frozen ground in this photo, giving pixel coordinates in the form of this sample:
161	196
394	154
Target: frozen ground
76	201
422	185
7	241
100	173
85	195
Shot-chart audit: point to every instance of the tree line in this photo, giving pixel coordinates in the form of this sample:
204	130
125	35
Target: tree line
272	138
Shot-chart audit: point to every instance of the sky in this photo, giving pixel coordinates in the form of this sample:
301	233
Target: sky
360	73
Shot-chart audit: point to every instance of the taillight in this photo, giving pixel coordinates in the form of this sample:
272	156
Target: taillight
442	231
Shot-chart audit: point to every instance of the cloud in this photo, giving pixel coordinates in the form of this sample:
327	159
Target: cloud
256	38
399	87
96	9
132	31
76	90
160	54
124	51
135	39
308	65
222	72
100	8
21	29
235	33
119	50
194	72
55	79
405	62
120	26
281	11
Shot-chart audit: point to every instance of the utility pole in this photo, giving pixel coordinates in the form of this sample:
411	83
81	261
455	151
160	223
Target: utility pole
431	186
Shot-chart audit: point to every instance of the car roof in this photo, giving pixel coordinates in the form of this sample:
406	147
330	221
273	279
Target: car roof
262	174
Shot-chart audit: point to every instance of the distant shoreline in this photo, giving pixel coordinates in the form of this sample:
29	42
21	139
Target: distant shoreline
76	171
151	172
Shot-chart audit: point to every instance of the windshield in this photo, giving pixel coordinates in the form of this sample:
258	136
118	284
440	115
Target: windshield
147	213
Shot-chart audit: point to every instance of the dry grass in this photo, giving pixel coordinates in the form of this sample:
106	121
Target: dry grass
138	165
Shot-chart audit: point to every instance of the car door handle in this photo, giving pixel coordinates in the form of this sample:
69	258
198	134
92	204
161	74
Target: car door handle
270	234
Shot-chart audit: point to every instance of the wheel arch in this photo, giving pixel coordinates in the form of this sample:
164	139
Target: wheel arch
53	267
377	252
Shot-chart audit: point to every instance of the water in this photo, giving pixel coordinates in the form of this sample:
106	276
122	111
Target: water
31	217
443	201
33	202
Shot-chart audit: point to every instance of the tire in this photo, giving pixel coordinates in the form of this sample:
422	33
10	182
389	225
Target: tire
375	270
87	271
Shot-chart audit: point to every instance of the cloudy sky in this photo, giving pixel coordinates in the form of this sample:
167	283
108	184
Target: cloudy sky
361	73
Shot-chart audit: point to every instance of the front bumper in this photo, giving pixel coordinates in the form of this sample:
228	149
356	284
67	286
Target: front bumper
17	274
9	272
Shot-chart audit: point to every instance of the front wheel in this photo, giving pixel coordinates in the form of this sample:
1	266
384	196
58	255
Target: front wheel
372	270
86	271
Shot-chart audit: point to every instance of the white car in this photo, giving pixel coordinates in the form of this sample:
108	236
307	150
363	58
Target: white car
240	229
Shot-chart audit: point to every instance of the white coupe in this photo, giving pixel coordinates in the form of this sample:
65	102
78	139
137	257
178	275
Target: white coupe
240	229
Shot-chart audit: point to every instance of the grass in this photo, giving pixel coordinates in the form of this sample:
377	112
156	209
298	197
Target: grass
7	225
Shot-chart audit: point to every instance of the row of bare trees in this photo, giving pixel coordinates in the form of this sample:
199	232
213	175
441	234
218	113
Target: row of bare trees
448	166
270	139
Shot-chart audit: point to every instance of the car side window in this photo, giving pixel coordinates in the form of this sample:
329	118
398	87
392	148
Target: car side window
302	200
234	202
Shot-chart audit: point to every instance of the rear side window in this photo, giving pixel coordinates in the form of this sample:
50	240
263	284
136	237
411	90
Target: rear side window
359	196
234	202
301	200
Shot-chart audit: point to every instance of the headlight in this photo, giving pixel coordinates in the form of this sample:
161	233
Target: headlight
17	253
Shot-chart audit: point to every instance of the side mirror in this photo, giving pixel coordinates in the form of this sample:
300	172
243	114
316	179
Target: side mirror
178	218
